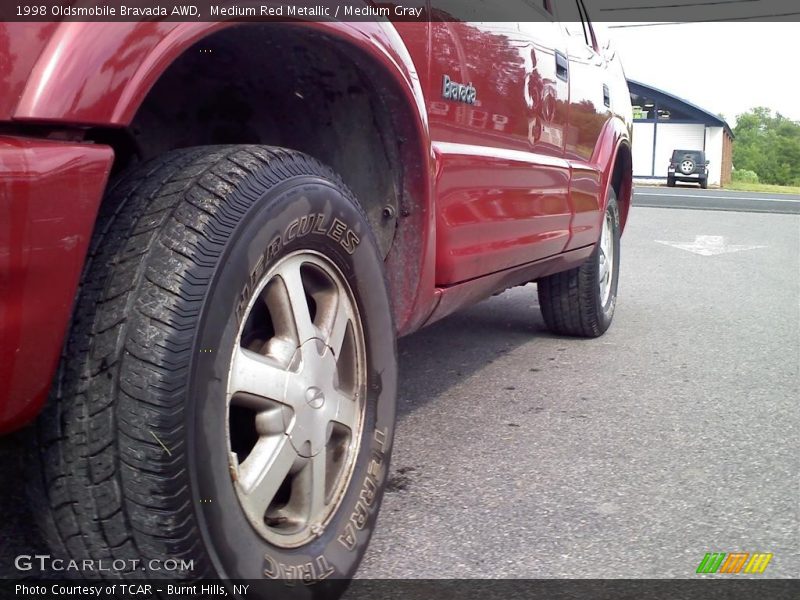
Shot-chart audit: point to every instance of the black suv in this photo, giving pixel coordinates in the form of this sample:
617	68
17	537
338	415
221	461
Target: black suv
688	165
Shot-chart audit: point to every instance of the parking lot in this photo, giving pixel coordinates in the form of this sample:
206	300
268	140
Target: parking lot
520	454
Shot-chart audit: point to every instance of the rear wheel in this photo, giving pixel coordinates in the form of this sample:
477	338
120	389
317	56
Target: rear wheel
704	182
581	301
228	391
670	182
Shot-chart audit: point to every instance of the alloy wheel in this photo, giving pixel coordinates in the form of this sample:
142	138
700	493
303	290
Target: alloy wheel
296	390
607	259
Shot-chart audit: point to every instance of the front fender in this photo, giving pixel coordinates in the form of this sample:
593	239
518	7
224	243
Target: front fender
49	195
90	75
98	76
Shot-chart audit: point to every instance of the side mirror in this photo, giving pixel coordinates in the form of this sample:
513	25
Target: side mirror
708	161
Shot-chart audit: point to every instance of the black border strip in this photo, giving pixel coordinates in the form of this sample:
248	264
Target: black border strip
638	13
701	587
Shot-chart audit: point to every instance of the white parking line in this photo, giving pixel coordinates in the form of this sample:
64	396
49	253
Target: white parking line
668	195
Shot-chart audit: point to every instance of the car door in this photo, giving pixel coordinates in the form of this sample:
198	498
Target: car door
502	181
589	111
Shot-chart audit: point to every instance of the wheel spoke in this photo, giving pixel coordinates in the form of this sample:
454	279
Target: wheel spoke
347	413
313	480
255	375
296	303
338	328
262	474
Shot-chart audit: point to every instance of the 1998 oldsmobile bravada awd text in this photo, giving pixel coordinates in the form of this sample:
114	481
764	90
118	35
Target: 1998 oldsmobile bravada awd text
213	232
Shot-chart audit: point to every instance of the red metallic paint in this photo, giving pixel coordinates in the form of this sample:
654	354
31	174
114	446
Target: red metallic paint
502	191
20	46
508	185
49	195
98	75
103	84
485	225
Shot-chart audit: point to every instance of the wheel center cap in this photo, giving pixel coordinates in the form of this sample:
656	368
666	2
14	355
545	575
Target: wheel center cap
310	401
315	397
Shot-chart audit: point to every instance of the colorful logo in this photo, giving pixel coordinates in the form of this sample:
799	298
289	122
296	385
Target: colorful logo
734	562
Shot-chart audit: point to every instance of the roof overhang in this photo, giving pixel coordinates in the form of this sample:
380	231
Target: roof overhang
702	115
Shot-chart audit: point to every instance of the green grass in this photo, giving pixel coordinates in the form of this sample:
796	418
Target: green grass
742	186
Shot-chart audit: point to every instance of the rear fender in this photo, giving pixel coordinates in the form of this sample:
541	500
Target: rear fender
593	192
614	137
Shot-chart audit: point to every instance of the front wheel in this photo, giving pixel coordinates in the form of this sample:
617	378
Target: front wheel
227	395
581	301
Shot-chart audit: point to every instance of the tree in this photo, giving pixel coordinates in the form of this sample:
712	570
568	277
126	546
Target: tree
768	145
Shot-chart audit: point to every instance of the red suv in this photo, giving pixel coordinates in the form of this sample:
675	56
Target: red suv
212	234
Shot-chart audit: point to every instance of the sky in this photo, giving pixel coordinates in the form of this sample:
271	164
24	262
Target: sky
724	68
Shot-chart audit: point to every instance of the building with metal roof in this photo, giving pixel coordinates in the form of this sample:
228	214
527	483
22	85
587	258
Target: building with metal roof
662	122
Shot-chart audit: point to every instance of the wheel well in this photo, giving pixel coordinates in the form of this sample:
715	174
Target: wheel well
622	182
292	86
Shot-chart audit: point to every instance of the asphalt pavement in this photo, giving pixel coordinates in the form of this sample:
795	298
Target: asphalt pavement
521	454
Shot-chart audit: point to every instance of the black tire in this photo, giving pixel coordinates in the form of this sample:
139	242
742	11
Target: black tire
704	183
670	182
571	302
174	255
